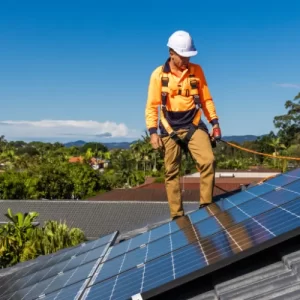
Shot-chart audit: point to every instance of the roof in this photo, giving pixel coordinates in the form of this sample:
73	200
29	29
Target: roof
113	210
240	174
190	188
156	192
95	218
76	159
190	185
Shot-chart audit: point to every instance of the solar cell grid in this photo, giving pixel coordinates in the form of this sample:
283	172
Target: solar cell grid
163	230
218	221
158	237
263	188
70	292
155	245
201	252
53	270
52	284
295	173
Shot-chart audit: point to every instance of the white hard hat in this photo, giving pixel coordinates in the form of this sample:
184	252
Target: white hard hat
182	43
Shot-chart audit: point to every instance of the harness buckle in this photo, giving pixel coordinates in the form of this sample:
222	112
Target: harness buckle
165	81
173	135
183	145
194	84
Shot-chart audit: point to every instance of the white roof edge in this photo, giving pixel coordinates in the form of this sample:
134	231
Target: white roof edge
238	174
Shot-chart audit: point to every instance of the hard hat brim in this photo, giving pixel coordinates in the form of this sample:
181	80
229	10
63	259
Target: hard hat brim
188	54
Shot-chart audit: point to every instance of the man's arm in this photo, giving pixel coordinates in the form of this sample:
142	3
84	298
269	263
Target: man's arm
207	103
153	101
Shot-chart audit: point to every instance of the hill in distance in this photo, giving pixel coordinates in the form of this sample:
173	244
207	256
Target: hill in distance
125	145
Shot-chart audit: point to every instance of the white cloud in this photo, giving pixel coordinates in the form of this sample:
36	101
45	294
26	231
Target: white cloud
289	85
64	129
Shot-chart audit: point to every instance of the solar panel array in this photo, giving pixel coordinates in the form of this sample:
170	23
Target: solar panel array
168	255
53	276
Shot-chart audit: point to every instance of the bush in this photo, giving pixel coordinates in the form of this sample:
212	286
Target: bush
21	240
159	180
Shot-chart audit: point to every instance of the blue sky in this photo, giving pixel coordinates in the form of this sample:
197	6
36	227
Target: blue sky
80	69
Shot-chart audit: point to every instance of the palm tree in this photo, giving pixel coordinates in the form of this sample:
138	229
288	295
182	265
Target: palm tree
88	154
137	153
277	145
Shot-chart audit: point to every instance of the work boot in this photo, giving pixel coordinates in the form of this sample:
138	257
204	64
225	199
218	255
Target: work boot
203	205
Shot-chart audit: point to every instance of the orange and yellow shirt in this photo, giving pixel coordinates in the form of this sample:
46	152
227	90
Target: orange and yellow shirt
180	108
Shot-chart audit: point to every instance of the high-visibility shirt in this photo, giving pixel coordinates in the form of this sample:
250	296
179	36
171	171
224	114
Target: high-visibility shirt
180	108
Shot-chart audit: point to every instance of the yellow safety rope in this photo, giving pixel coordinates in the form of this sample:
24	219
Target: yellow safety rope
259	153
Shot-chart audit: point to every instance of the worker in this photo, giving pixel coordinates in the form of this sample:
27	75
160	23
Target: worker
179	88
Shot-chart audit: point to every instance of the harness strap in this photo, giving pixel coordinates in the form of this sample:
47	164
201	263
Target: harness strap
164	97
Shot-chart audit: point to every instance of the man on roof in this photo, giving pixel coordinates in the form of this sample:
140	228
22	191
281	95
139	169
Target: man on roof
180	89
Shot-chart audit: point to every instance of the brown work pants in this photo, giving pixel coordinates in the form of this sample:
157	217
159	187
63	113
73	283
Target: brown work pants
201	150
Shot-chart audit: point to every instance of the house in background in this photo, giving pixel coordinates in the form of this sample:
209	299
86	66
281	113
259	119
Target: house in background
95	163
76	159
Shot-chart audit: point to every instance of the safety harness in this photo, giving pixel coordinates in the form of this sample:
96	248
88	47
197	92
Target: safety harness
164	97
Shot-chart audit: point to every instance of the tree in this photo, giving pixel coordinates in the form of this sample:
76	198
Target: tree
95	147
86	181
289	124
3	143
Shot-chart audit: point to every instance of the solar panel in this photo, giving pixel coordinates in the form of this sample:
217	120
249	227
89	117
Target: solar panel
72	291
46	261
52	284
57	271
206	227
53	270
244	196
224	230
198	257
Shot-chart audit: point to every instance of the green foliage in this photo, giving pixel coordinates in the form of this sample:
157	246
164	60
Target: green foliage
159	180
86	181
94	147
31	151
289	124
41	170
13	185
21	240
53	182
59	180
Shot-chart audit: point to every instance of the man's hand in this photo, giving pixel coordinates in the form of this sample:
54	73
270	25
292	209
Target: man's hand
216	133
155	141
